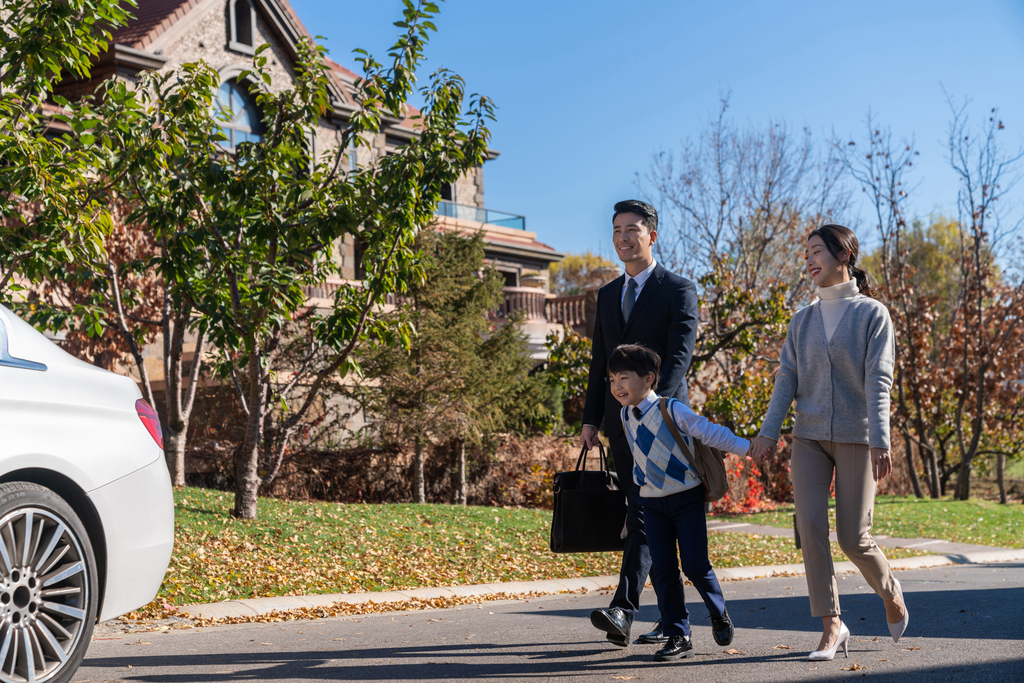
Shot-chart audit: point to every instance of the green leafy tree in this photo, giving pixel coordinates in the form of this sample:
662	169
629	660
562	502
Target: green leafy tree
574	272
462	380
248	233
568	369
54	188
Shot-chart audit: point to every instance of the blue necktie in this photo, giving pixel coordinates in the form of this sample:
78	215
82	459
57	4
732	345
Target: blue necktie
629	299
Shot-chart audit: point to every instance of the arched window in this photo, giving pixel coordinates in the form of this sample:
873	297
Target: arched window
242	18
243	117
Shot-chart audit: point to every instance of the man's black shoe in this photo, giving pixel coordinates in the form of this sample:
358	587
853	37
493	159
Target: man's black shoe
616	639
613	622
655	637
678	647
722	629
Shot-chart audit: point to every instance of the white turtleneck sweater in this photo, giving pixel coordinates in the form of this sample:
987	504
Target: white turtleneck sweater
834	301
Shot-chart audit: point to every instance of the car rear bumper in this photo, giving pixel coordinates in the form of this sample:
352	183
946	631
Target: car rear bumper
137	513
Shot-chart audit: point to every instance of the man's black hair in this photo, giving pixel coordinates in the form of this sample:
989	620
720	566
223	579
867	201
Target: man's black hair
650	215
636	358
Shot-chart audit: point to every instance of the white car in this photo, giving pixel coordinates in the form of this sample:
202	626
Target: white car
86	509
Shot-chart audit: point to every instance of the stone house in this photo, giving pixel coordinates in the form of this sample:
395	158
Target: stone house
225	33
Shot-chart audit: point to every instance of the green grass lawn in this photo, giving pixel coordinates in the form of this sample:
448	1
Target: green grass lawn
305	548
981	522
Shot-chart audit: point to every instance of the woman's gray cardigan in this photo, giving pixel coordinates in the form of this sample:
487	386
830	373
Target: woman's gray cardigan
841	386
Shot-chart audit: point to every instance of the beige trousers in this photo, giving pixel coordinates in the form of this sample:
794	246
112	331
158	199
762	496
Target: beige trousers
811	469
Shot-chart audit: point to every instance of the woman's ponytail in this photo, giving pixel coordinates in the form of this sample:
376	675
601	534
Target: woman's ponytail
839	239
863	284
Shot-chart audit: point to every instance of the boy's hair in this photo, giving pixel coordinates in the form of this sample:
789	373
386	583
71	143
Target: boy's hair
636	358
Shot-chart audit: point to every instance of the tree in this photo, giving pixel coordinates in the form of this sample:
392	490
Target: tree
462	380
574	272
52	208
249	231
736	205
957	327
64	225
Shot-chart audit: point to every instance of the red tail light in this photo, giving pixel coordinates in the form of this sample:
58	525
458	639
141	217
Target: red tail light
151	420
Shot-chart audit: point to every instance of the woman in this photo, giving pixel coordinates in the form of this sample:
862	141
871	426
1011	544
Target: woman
837	362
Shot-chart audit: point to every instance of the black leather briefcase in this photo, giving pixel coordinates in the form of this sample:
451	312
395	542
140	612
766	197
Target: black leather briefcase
590	509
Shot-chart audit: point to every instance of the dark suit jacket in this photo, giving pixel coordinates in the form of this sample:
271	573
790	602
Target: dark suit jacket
664	319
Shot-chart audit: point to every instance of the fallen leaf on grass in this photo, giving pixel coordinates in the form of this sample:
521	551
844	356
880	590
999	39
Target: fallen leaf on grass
781	647
854	667
734	651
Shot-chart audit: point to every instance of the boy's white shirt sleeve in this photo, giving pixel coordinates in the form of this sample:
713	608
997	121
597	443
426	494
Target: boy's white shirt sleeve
710	434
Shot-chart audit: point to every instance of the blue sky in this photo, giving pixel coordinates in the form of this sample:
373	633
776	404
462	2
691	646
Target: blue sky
588	91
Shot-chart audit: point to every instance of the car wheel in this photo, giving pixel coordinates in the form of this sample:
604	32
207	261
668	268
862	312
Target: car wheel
48	586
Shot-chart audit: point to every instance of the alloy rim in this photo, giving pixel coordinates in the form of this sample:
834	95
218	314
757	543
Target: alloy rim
44	590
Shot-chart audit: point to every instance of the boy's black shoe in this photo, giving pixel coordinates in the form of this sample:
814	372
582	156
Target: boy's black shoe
677	647
722	629
613	622
655	637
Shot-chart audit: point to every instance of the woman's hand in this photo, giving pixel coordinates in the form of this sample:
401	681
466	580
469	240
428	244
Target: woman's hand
881	463
762	449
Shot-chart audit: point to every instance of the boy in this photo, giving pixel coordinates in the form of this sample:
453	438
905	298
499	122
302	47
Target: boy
671	494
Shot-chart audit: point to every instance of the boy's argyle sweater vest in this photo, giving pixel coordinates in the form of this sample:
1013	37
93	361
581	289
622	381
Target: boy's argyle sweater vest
659	466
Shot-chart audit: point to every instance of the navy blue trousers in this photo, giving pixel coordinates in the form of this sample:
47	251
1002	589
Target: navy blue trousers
677	521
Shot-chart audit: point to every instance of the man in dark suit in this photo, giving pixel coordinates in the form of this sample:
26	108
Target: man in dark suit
651	306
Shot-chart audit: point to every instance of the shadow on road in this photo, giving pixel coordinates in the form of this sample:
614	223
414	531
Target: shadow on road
938	610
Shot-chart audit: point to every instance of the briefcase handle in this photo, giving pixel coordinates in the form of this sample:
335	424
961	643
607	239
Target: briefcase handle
581	462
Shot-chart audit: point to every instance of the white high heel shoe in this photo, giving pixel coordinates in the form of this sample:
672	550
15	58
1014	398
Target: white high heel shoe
896	630
827	655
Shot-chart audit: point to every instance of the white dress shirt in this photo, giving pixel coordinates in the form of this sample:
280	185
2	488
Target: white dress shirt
695	425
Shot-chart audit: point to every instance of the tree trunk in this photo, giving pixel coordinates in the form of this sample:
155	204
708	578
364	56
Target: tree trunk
963	481
174	453
461	490
933	474
247	481
419	492
1001	476
915	482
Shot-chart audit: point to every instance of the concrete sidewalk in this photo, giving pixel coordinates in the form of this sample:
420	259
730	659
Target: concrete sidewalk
258	606
932	545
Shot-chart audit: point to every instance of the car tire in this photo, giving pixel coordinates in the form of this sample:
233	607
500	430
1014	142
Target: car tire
48	586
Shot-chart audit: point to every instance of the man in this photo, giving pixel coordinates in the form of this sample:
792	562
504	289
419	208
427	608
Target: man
647	305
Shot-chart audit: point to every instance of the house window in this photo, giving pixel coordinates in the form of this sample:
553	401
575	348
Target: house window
243	122
242	18
511	278
448	192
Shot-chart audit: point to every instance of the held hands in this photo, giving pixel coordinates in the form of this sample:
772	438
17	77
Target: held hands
588	437
881	463
762	449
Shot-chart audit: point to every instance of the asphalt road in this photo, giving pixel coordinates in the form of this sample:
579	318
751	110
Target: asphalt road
966	625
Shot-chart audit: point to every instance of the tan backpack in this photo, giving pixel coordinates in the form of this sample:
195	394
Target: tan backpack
708	462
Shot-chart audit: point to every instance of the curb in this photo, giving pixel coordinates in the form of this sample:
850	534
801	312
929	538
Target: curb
259	606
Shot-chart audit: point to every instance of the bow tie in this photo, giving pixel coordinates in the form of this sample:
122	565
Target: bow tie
636	413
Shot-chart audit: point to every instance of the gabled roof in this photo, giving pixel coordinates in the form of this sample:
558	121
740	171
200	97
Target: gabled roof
152	17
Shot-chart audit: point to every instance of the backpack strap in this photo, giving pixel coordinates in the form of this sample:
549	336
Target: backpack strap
687	451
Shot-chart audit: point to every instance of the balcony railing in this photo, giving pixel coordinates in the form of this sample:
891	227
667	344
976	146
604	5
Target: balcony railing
567	310
528	301
480	215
